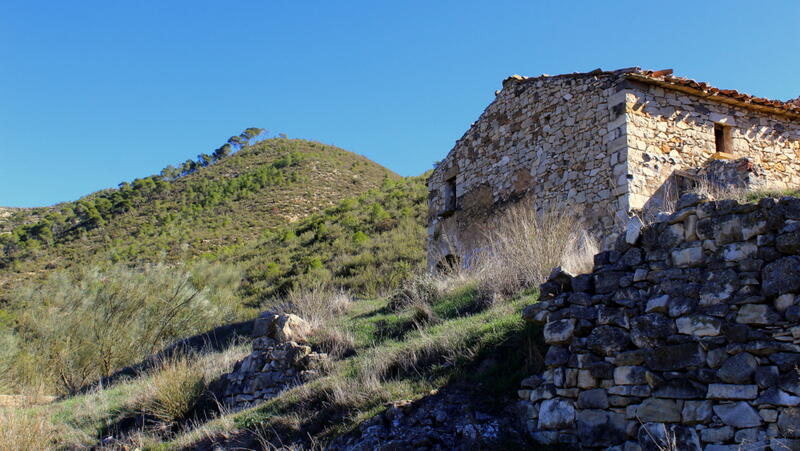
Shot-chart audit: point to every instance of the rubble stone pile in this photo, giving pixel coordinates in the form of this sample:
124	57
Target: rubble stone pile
281	359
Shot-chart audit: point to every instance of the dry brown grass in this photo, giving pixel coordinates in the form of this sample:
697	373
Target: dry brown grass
318	303
22	429
522	246
176	384
173	390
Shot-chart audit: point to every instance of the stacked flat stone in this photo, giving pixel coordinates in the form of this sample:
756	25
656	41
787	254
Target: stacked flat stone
281	359
688	331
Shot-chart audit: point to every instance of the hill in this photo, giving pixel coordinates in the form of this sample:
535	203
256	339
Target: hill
182	214
94	285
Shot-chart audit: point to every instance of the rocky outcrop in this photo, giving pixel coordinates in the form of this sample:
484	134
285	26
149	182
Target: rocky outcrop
281	359
688	331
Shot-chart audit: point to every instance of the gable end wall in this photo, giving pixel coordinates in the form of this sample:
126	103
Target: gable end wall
558	142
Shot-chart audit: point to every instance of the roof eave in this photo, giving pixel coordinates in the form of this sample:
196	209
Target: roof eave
713	96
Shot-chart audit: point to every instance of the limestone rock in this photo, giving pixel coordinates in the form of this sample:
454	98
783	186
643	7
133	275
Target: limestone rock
781	276
649	330
738	369
633	230
732	391
556	414
695	412
292	328
699	325
676	357
607	340
738	415
659	411
600	427
757	314
559	332
789	422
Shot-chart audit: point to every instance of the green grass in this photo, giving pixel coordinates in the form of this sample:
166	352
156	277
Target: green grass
491	347
387	369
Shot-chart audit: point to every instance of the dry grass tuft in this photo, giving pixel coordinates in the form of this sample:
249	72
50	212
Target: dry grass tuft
25	429
522	246
318	303
174	389
336	342
177	384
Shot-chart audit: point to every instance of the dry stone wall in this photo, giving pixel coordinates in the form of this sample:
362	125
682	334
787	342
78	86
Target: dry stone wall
281	359
689	331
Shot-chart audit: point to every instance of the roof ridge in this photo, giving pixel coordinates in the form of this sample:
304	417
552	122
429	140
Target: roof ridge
666	79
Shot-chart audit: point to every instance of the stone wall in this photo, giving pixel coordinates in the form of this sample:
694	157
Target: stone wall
554	140
280	359
688	330
669	130
600	144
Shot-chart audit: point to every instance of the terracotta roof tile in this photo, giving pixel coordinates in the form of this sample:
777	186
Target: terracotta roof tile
667	78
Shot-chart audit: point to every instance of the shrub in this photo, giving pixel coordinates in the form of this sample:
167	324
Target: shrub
174	389
78	326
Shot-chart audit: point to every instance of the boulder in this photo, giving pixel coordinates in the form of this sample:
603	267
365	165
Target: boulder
291	328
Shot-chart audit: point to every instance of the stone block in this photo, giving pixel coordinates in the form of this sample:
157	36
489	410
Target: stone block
556	414
732	392
738	415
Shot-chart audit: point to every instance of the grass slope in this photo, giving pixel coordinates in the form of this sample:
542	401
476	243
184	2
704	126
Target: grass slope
394	357
234	200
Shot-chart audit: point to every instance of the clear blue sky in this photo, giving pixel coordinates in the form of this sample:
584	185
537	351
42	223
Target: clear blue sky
96	92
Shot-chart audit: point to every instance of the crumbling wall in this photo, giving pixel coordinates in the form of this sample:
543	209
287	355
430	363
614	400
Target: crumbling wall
688	330
555	141
281	359
669	130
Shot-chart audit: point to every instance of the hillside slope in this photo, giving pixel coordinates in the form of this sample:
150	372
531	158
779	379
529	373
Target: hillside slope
170	218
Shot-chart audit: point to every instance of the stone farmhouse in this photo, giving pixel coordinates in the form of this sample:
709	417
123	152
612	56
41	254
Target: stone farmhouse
605	144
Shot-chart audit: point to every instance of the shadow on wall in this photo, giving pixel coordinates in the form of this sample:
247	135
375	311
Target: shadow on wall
716	178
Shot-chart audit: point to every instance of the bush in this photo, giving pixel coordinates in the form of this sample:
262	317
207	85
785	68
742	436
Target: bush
79	326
